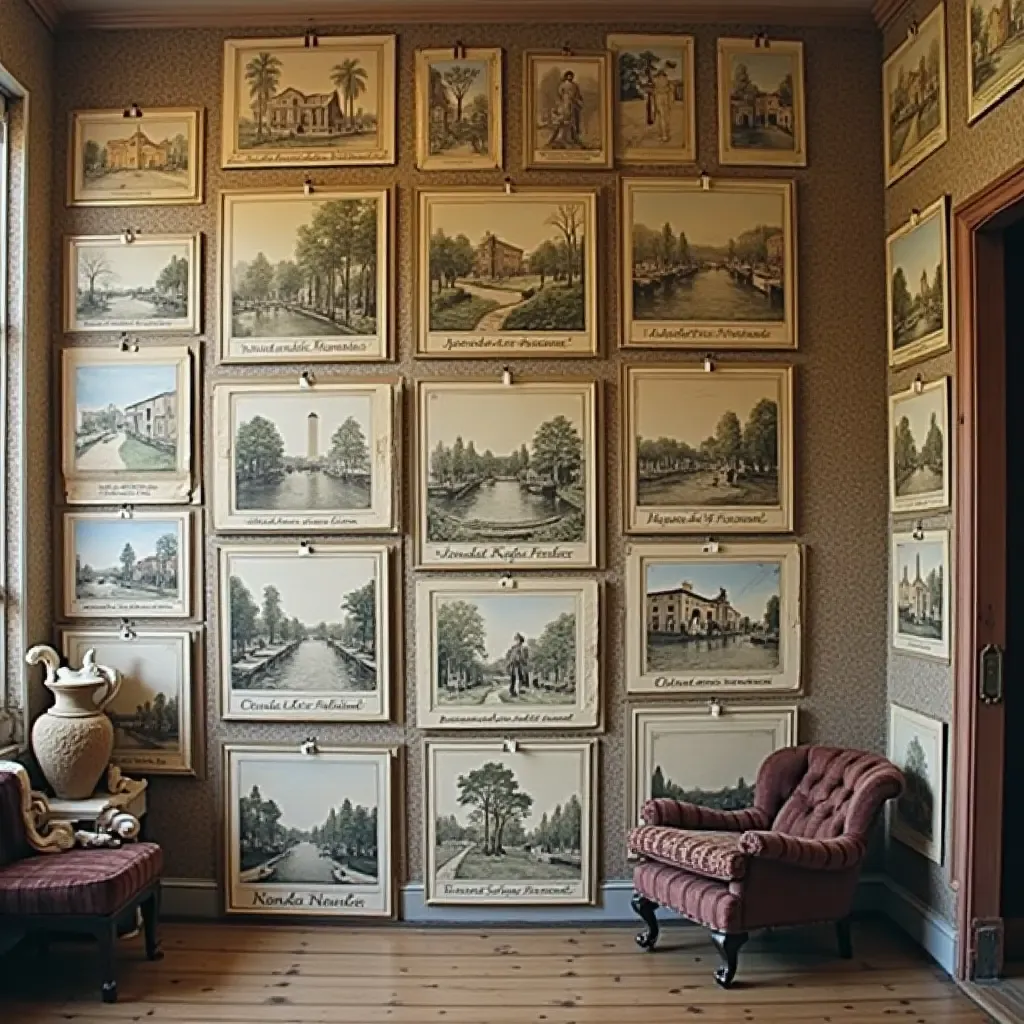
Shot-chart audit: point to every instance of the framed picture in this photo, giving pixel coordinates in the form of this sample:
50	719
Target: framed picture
708	452
917	746
152	711
700	621
458	109
919	475
567	112
507	274
152	160
288	104
917	279
761	116
510	828
137	567
126	433
920	599
914	93
507	653
305	631
995	62
686	754
148	285
310	834
727	277
507	475
313	459
655	99
305	278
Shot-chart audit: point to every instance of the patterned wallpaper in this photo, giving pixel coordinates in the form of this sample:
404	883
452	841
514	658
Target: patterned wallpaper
840	409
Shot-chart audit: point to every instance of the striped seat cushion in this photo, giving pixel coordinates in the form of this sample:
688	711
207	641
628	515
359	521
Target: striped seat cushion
711	854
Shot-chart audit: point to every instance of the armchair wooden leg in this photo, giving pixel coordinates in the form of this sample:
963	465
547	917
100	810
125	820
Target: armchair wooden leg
150	917
645	909
728	946
844	939
106	934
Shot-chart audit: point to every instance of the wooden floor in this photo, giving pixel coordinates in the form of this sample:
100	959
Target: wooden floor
252	974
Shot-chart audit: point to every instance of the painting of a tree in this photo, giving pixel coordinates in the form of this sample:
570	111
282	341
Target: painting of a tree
917	802
262	74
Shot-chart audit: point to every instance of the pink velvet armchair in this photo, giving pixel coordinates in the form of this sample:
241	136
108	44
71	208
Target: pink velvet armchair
793	858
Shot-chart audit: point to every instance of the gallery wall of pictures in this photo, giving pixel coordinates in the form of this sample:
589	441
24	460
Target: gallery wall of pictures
466	426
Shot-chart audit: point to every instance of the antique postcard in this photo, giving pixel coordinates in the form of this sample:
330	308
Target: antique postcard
655	105
722	621
458	109
127	566
507	275
305	278
567	110
917	746
919	448
318	458
920	597
683	753
305	631
708	452
507	475
507	653
149	284
288	104
152	711
761	119
914	94
126	434
917	279
708	268
510	828
309	834
995	53
155	159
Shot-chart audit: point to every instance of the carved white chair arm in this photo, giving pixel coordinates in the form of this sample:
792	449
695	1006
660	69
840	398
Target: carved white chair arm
42	836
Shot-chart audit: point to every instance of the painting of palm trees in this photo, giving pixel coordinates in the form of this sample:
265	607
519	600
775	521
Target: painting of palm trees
293	105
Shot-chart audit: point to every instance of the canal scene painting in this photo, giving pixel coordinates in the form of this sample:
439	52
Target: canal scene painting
920	598
914	93
305	636
919	477
995	52
507	274
499	655
917	746
309	833
510	827
149	285
304	277
506	474
289	104
709	267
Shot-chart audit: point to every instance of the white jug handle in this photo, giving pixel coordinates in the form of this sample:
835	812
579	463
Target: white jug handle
113	682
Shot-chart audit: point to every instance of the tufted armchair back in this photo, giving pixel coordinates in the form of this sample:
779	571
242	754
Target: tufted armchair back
13	841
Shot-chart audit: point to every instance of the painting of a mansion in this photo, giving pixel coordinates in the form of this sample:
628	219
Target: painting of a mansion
682	610
496	259
919	599
292	112
756	109
137	152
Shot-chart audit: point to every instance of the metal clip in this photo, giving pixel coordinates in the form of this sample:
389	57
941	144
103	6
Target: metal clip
127	512
918	384
133	110
307	187
127	345
310	38
709	364
715	707
506	376
305	547
507	582
127	236
459	51
306	379
705	181
710	546
308	746
128	630
918	533
912	29
915	217
566	50
761	40
510	745
508	186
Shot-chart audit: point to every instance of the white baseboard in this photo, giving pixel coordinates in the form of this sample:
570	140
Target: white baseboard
933	933
190	897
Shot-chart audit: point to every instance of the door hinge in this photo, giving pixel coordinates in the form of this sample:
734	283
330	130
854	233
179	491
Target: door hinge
990	674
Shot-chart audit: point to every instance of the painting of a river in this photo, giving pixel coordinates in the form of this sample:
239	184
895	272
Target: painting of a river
919	475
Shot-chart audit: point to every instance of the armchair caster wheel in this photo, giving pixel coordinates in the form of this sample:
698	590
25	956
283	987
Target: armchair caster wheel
108	993
728	946
645	909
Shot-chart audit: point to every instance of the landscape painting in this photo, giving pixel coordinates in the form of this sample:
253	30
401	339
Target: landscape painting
761	119
127	425
506	474
510	828
507	275
920	598
304	278
655	105
917	271
289	104
309	834
507	653
148	285
134	566
567	114
305	636
152	160
682	753
699	621
711	268
917	746
316	458
914	91
708	452
919	471
995	53
152	711
458	109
